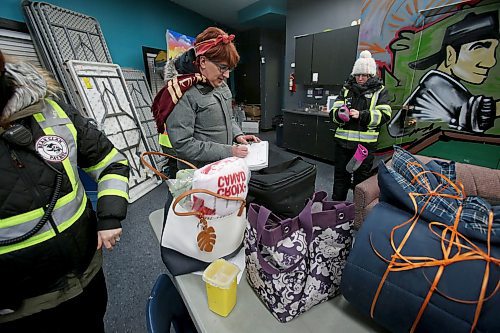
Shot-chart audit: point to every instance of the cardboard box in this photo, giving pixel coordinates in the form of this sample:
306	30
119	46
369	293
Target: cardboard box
250	126
253	118
252	110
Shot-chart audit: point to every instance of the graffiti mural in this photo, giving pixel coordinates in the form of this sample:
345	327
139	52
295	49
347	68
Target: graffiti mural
439	60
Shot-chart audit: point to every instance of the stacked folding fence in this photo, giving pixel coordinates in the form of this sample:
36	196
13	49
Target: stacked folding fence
18	44
138	88
73	48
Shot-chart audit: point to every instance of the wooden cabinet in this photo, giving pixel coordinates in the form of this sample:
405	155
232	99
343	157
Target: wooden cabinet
303	59
308	133
323	51
344	55
299	131
327	56
324	138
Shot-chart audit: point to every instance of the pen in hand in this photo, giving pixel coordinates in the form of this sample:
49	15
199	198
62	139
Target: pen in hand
239	150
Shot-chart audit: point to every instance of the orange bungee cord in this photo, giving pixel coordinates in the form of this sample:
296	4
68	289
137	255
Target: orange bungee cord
451	241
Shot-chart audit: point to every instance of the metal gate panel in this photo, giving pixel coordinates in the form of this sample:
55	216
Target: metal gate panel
43	46
75	36
141	97
66	35
19	45
38	41
106	99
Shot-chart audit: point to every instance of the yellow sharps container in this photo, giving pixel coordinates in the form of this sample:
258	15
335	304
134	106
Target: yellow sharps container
220	281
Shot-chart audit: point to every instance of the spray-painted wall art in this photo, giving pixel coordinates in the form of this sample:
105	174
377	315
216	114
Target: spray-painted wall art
439	60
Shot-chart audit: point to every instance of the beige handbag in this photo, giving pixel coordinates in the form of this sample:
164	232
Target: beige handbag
205	238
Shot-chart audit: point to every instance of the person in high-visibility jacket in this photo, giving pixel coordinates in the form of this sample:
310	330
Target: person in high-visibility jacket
358	113
51	278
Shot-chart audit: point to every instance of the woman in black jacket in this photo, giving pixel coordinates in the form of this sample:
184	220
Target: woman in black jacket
359	112
51	278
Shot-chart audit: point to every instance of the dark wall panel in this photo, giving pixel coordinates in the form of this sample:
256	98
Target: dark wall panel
307	17
272	43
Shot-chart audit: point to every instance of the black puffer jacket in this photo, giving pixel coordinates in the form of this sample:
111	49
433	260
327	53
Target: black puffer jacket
26	184
359	98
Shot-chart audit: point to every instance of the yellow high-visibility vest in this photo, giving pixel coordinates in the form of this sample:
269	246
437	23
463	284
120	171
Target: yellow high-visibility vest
69	208
164	140
372	132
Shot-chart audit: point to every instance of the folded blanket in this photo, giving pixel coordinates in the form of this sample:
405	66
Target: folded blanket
409	175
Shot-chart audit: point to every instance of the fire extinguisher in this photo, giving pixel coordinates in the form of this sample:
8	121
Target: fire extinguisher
291	83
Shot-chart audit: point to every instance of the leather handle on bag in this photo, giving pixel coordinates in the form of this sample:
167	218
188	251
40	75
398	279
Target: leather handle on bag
157	153
200	215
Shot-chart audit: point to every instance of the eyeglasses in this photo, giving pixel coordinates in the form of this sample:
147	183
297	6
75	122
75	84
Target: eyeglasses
222	67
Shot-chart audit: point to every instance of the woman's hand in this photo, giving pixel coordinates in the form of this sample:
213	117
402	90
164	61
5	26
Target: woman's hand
239	150
243	139
108	238
354	113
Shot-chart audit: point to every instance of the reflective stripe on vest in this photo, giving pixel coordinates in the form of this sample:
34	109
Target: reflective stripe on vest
375	115
113	185
337	104
110	184
356	135
164	140
68	209
114	156
384	108
371	135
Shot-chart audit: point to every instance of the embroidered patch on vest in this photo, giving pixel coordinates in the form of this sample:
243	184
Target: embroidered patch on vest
369	95
52	148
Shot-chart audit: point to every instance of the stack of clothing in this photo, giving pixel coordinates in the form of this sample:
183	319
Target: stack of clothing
426	258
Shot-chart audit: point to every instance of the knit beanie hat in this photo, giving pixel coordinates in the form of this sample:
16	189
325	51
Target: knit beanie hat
365	64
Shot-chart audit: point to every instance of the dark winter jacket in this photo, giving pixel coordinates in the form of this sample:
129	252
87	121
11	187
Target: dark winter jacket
371	100
28	184
45	264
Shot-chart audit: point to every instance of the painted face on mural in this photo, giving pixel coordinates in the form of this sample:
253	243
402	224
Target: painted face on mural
473	61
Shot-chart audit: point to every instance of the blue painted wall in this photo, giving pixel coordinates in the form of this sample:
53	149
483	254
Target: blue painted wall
127	24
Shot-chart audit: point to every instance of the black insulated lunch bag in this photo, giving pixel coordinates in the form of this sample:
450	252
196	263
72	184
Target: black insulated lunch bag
283	188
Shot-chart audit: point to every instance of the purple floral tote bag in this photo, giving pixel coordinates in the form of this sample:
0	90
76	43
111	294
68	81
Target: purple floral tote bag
296	263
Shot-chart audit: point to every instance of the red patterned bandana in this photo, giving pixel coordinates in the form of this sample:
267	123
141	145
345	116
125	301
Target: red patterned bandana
168	96
202	47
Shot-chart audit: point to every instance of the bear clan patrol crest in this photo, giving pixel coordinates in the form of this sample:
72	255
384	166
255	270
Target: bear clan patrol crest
52	148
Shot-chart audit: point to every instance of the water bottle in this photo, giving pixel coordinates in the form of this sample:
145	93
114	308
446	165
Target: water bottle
358	158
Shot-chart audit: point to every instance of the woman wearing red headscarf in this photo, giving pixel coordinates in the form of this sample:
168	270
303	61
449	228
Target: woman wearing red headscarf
196	106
